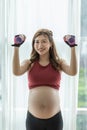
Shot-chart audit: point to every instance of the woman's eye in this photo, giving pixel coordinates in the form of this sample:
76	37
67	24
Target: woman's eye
44	41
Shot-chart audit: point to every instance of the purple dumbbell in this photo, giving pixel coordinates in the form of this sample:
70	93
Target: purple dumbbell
18	40
70	40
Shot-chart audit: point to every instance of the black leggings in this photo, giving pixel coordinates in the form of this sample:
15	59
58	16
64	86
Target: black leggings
53	123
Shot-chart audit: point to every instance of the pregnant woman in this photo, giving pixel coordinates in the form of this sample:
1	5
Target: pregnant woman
44	74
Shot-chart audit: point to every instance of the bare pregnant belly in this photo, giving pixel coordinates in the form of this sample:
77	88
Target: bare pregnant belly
43	102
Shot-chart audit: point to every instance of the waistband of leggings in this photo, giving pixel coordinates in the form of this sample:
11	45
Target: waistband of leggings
31	115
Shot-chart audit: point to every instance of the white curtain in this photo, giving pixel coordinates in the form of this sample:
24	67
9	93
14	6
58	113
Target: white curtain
26	16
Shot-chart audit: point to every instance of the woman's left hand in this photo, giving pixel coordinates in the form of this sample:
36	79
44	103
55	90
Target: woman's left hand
70	40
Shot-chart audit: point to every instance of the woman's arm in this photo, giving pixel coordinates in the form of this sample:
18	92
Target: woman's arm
72	68
19	69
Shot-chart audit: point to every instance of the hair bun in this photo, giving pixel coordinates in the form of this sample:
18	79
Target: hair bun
51	33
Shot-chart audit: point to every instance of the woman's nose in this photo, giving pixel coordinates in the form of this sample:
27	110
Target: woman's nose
40	45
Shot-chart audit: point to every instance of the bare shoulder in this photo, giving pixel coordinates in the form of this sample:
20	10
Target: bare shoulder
22	68
25	64
64	65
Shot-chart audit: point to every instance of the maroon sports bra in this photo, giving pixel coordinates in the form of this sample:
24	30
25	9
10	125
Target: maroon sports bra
43	76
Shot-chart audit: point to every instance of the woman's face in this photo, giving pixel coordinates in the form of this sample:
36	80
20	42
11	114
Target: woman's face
42	45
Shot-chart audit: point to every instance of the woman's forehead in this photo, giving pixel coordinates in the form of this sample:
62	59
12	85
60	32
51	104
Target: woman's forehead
40	37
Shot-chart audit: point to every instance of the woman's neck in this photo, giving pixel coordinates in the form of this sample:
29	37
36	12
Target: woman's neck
44	59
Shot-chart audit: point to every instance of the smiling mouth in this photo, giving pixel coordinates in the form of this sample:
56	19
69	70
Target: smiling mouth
41	50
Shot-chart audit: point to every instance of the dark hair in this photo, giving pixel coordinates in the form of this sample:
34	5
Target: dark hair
54	58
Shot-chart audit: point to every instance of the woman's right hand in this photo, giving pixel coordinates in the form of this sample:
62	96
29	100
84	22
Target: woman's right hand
19	40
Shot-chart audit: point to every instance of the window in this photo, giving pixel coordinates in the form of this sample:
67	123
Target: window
82	88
